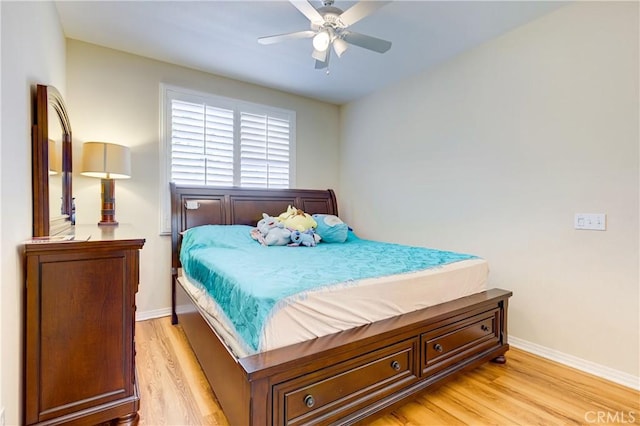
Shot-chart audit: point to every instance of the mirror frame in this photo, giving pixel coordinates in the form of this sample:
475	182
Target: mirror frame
49	96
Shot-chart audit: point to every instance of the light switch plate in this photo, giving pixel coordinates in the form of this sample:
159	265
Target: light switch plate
1	416
591	221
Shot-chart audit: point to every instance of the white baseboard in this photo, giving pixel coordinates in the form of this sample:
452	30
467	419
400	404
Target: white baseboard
156	313
608	373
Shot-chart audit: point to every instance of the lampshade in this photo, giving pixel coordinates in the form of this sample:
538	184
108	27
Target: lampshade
106	160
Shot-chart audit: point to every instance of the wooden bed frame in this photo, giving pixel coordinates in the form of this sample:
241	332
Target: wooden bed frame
341	378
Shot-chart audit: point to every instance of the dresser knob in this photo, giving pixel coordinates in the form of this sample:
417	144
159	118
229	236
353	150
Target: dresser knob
395	365
484	327
309	401
438	347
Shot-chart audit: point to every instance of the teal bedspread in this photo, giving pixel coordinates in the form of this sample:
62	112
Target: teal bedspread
249	280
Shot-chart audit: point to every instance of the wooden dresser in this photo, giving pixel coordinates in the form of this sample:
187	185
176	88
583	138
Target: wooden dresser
79	328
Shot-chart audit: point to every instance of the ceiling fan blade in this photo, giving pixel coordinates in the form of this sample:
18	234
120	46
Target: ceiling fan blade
308	10
367	42
288	36
360	10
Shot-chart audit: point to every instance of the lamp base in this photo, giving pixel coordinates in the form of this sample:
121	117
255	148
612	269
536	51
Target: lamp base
108	211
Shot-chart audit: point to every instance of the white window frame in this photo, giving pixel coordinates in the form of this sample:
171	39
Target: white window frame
168	92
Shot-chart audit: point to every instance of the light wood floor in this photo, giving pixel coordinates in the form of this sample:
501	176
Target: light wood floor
527	390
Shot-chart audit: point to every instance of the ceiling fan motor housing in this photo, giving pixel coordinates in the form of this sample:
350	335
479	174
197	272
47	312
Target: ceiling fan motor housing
331	19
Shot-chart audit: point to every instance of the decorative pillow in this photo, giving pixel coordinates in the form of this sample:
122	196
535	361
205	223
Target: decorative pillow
330	228
228	236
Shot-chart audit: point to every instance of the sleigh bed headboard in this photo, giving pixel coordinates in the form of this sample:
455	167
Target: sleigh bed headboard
206	205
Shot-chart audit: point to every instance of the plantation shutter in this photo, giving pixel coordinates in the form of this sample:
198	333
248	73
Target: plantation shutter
264	151
218	141
202	142
230	145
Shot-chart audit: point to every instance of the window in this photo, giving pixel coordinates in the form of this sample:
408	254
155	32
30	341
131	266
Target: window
212	140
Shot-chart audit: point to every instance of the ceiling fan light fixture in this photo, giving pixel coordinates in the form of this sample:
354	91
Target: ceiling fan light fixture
321	41
319	55
340	46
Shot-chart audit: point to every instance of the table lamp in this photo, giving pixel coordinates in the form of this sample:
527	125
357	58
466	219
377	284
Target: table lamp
107	161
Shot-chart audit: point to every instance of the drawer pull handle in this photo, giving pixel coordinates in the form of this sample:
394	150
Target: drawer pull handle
438	347
309	401
395	365
484	327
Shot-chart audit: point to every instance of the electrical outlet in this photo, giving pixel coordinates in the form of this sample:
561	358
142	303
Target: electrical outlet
591	221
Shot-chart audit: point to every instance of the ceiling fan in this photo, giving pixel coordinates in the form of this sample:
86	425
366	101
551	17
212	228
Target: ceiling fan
329	28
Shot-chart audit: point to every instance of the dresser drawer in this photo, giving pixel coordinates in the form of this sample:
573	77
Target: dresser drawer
338	390
444	346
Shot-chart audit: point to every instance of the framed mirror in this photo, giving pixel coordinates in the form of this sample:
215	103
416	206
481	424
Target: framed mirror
53	206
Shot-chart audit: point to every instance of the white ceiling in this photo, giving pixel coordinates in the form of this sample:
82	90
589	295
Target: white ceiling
220	37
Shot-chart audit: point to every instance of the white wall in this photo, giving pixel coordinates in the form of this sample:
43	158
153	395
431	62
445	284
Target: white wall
33	52
495	151
114	96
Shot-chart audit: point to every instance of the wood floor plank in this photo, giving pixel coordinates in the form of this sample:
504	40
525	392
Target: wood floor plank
464	409
562	389
527	390
576	380
501	400
173	389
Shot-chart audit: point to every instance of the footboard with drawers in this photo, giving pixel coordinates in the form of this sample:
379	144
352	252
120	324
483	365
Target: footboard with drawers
349	376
